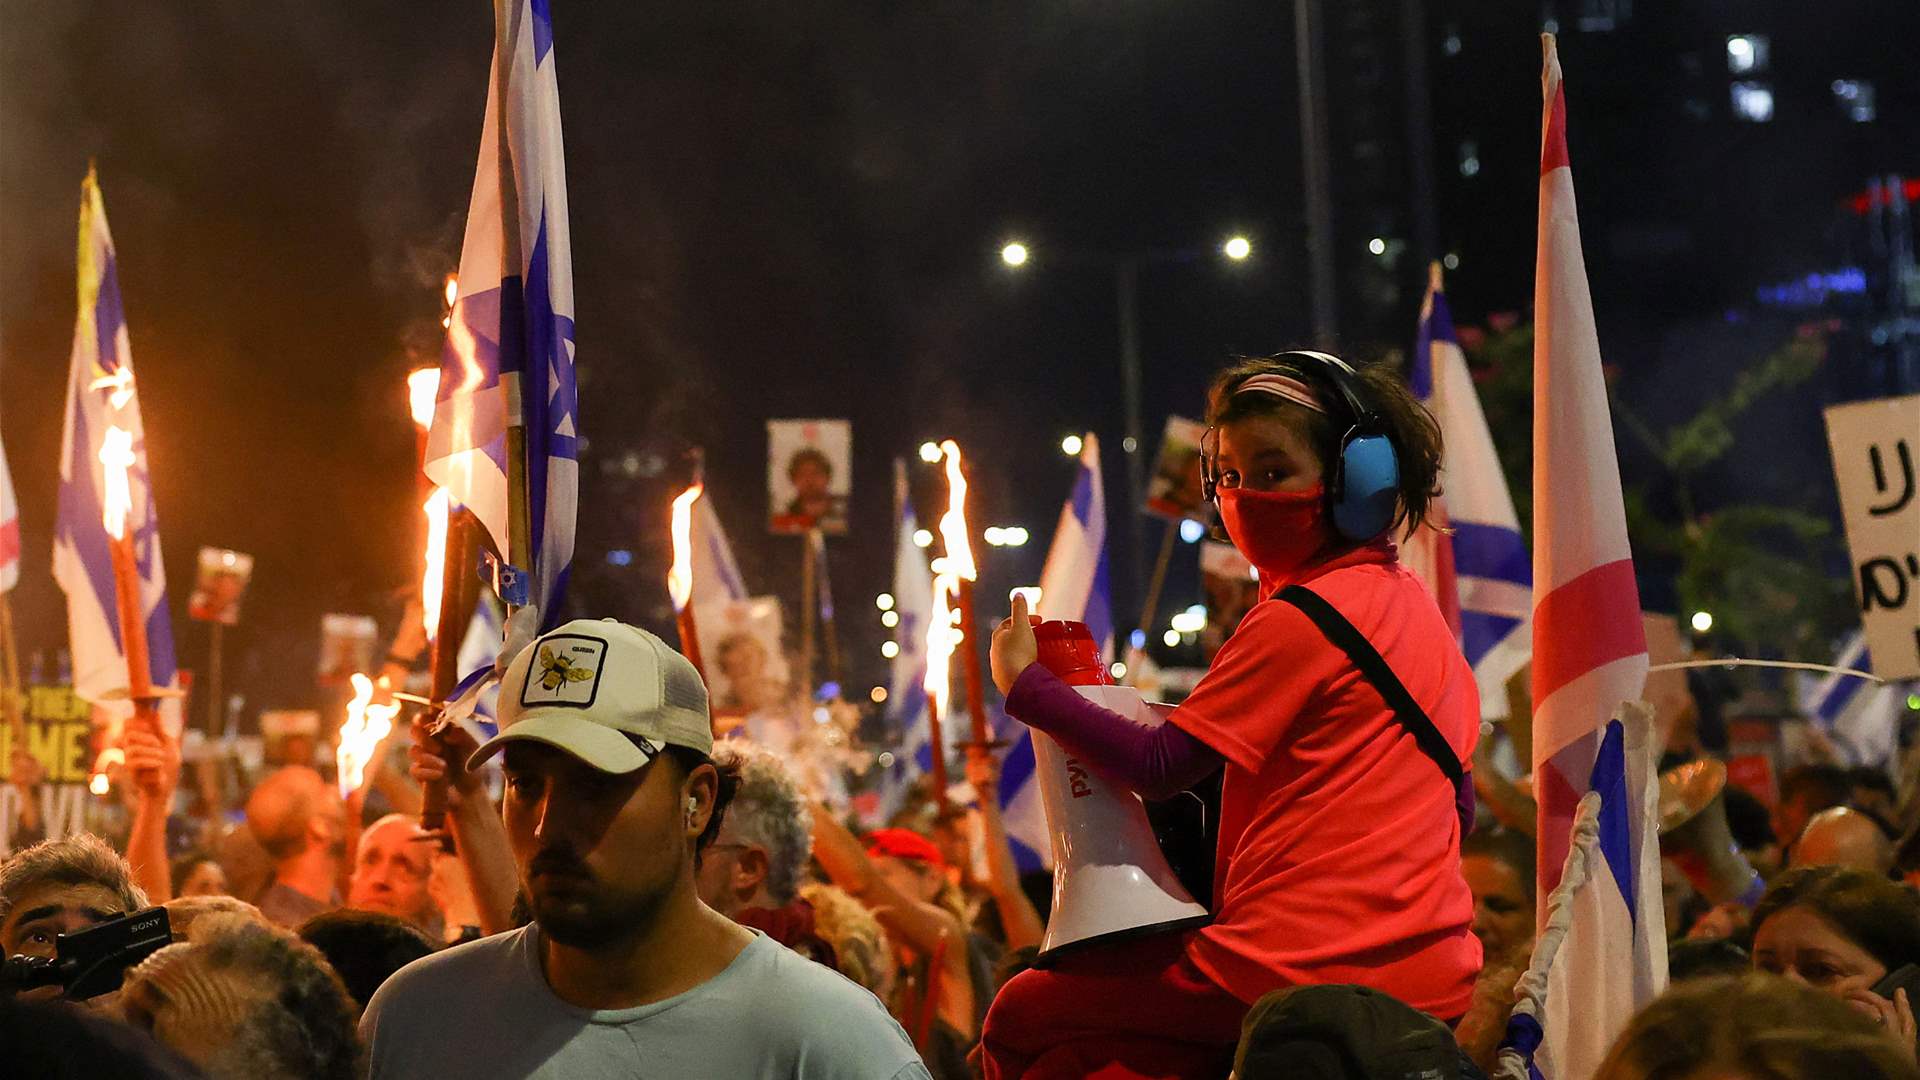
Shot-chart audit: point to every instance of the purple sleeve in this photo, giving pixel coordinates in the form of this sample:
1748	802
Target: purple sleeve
1157	762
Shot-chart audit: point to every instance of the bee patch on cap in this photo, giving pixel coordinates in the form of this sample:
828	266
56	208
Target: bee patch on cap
565	671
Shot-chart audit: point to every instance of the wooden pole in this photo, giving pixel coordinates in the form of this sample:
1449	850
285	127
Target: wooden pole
133	631
1152	606
823	601
11	691
969	656
690	638
938	752
809	614
459	590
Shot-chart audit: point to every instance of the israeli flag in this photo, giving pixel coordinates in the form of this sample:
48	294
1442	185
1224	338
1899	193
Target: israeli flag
1487	572
1860	716
906	690
478	649
1073	586
509	353
103	412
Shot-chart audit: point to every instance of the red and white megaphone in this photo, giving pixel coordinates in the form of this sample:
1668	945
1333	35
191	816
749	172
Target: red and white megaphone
1109	878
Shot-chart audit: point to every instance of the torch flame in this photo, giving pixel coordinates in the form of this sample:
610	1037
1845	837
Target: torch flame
941	638
436	557
453	288
680	574
116	453
953	523
111	758
367	724
423	387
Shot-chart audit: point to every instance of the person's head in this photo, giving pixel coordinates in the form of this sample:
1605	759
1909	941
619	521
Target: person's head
1278	425
294	812
1498	866
1836	929
861	950
1703	958
1805	790
1873	791
392	870
242	999
610	793
1753	1026
909	862
365	947
1842	836
61	887
197	873
810	472
184	911
761	853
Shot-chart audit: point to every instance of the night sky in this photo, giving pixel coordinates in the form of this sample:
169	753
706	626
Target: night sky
778	210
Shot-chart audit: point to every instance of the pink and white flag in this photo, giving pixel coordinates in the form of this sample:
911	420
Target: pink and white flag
1589	649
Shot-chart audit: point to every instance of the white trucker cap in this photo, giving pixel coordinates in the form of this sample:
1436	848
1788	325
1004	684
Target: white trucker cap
589	684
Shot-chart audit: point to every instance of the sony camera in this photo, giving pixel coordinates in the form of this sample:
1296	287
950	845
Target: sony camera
93	961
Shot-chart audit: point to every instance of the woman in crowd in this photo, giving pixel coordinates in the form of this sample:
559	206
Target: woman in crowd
1847	933
1341	817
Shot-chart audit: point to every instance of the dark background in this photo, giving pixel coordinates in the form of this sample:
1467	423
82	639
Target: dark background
785	210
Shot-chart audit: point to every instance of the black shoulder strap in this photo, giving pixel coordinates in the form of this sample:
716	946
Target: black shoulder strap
1351	641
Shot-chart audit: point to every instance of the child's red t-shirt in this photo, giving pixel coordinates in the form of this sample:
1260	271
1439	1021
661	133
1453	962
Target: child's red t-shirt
1339	855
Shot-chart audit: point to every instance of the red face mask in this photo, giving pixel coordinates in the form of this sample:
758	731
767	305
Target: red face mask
1278	531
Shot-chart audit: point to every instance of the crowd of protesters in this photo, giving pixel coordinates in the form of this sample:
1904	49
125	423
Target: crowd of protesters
617	892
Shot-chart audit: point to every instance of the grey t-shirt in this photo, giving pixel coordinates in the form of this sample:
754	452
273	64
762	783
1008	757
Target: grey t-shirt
484	1010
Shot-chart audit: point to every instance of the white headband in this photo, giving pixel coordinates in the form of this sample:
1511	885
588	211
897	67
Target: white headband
1285	387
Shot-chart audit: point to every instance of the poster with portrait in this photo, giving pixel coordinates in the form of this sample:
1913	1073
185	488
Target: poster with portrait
347	644
809	475
220	586
1174	489
746	660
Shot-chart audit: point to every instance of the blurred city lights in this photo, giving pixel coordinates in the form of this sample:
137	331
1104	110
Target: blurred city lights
1746	53
1031	592
890	619
1702	621
1137	639
922	538
1014	254
1377	246
1171	637
1238	248
1191	531
1189	622
1118	670
878	695
884	601
890	649
930	452
1072	445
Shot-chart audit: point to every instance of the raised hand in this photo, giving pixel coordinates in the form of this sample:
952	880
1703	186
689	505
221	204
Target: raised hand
1014	646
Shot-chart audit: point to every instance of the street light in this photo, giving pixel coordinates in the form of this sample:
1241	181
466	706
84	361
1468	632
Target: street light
1238	248
1072	445
1014	254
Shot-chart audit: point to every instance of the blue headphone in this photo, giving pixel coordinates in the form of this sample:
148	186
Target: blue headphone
1363	480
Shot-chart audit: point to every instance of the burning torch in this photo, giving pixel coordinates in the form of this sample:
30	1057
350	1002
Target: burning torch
680	575
117	458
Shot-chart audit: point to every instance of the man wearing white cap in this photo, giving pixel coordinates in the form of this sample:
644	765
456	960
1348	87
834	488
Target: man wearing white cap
623	972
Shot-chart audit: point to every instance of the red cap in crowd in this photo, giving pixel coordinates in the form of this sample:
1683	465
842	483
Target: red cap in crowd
903	844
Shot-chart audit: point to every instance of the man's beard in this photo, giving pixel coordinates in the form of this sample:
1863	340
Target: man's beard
593	916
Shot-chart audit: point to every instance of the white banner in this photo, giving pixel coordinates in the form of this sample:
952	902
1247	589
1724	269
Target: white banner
1875	446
